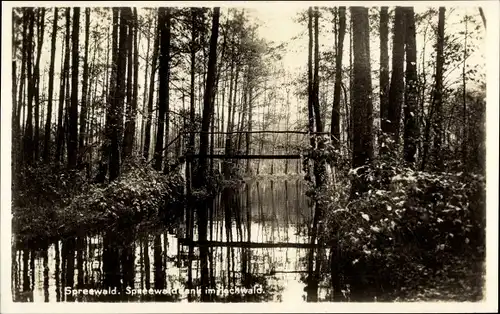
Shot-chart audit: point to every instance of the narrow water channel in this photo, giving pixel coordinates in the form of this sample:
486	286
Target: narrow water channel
257	251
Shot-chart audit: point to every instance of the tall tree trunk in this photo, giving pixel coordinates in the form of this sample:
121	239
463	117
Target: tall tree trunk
166	84
310	91
319	166
28	137
350	130
62	92
17	130
437	99
362	106
411	130
215	97
109	125
396	92
230	126
40	34
248	136
144	97
135	93
317	111
464	99
128	140
164	27
205	124
242	121
83	111
192	77
230	114
48	121
149	113
118	104
335	127
384	70
73	110
92	100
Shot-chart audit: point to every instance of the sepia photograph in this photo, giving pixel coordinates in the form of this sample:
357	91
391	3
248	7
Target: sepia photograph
236	152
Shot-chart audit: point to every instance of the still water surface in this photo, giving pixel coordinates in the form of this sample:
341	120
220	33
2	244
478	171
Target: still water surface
270	217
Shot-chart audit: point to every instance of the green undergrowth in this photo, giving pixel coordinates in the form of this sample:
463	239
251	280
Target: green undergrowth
51	204
412	236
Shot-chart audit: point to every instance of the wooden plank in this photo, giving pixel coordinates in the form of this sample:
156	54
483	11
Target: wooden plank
222	156
258	132
253	245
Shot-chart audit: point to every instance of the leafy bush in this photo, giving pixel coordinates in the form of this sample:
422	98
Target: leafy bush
56	204
407	227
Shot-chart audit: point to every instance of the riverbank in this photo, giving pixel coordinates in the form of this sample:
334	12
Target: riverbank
48	204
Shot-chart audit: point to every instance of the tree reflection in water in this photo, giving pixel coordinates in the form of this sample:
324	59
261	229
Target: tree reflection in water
249	241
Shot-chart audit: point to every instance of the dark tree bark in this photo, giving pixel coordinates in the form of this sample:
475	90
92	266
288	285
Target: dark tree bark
40	35
205	124
149	113
83	111
28	135
250	117
215	98
335	127
411	130
317	111
62	91
396	92
319	167
350	130
244	112
231	123
144	97
166	86
73	110
384	70
15	130
118	101
66	112
362	106
230	110
310	91
135	93
110	105
128	139
164	27
13	120
48	121
437	99
207	100
92	101
20	103
192	83
464	99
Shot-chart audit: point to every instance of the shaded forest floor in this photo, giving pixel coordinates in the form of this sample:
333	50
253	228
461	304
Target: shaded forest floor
459	280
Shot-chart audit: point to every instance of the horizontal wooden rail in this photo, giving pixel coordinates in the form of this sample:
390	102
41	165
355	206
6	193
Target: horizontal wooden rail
246	156
253	245
257	132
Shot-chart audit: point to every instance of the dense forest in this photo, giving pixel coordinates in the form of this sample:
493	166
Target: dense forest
117	111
